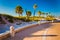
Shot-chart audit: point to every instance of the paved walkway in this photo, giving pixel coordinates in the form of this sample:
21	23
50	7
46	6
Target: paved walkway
48	31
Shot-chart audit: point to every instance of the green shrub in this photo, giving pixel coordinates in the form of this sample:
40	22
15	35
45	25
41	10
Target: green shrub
27	20
11	21
36	20
2	22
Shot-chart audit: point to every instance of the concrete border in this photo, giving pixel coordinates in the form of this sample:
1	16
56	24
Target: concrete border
7	34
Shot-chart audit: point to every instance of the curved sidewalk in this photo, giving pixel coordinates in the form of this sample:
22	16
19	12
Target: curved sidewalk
39	32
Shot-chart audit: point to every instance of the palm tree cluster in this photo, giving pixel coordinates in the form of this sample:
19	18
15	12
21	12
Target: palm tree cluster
19	10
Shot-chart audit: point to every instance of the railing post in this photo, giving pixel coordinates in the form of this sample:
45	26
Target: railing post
39	22
12	31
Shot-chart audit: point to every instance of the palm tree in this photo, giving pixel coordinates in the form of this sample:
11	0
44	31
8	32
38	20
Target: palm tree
35	6
28	13
39	13
50	17
42	14
47	14
19	10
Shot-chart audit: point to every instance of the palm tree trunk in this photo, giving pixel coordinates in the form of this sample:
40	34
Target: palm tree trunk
39	16
34	15
34	12
26	17
19	15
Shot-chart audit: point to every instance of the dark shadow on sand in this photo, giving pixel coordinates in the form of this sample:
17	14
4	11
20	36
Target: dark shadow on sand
42	35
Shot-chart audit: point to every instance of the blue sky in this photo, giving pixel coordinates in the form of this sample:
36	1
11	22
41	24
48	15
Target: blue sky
8	6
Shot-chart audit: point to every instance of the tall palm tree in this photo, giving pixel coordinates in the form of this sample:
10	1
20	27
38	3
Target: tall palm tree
28	13
39	13
35	6
19	10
